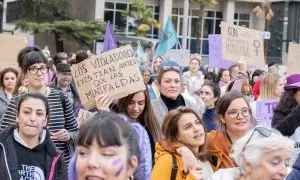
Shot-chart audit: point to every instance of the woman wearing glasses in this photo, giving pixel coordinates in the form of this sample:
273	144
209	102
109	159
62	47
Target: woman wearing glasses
261	154
169	85
62	125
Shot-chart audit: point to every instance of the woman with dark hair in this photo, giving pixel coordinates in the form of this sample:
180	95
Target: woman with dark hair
8	79
286	117
256	74
107	149
223	77
62	125
26	150
211	76
210	94
183	126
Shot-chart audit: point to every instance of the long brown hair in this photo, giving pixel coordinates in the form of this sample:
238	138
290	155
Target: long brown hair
170	129
147	117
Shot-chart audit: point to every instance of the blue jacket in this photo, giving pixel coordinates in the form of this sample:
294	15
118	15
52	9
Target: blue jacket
295	173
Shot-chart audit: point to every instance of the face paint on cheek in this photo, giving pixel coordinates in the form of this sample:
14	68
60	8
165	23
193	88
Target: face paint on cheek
119	171
116	161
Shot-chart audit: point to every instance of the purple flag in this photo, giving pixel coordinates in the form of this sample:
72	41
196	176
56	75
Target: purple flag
110	41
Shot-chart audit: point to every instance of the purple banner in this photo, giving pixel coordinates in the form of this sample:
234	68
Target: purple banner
215	53
264	112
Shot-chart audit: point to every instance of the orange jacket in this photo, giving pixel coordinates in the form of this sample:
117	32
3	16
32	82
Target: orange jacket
218	140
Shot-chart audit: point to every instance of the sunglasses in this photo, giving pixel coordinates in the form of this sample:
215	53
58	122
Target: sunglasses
169	68
261	130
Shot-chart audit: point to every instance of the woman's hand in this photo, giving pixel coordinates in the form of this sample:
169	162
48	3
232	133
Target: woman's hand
197	172
188	158
61	135
103	102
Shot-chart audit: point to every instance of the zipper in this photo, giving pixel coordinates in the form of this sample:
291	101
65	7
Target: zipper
54	161
5	159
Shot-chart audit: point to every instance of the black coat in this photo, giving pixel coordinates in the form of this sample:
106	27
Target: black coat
287	123
8	158
295	173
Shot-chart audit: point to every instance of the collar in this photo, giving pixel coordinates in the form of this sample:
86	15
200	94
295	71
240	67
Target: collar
20	140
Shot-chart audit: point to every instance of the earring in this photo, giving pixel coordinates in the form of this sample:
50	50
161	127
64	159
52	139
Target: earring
131	177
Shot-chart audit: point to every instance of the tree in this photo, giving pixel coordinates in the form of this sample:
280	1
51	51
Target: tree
264	10
202	4
51	16
142	16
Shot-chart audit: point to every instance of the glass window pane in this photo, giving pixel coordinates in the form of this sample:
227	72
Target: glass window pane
180	26
235	22
193	46
109	16
109	5
244	23
236	16
210	14
156	9
175	11
13	11
194	28
180	11
175	21
244	16
131	25
217	27
121	6
156	17
205	47
208	27
219	14
120	22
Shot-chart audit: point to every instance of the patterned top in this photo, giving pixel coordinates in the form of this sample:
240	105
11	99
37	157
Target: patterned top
58	119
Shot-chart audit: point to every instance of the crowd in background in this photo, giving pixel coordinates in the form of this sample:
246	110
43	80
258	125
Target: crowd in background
191	122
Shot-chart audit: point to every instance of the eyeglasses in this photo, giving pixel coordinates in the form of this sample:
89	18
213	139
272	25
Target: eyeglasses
34	70
234	114
169	68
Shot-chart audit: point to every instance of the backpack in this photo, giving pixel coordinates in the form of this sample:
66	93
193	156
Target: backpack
174	167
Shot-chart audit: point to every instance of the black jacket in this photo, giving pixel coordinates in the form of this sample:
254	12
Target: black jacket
295	173
8	158
287	123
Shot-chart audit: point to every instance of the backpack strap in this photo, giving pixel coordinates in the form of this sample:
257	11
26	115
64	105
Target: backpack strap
63	101
174	167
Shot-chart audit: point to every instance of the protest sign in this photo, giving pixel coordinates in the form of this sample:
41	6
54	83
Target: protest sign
181	56
264	112
115	73
238	82
240	42
215	53
293	62
10	45
83	116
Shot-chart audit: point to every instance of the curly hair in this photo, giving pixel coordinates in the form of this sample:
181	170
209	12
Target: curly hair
287	102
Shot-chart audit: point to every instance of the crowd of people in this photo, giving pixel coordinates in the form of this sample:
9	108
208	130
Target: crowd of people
194	123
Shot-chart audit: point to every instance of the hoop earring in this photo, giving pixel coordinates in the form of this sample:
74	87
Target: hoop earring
131	177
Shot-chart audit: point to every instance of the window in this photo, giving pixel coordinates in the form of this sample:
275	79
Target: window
13	11
127	25
210	24
242	19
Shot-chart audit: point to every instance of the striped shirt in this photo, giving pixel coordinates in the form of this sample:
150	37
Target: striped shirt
58	119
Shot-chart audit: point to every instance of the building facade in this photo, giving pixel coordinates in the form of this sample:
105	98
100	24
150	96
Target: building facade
237	12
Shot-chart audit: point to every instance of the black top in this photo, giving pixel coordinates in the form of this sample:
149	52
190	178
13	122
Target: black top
173	104
31	162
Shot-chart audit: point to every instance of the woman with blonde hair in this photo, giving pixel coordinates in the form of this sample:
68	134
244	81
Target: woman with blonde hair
271	90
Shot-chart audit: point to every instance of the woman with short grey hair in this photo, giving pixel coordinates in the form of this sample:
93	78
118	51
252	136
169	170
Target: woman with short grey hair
262	154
